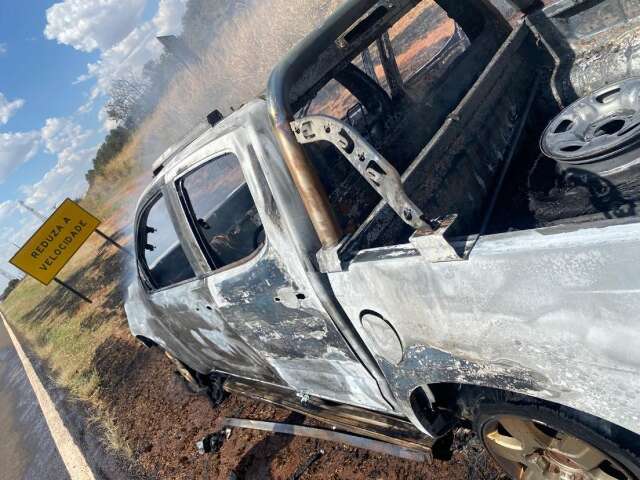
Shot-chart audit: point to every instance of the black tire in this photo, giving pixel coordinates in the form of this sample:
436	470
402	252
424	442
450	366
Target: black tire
483	407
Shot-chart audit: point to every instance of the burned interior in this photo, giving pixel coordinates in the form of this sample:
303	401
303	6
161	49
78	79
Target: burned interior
509	127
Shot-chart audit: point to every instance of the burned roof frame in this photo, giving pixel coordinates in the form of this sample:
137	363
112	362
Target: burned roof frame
318	57
346	33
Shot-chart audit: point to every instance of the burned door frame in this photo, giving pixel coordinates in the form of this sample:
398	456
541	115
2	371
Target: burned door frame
274	311
194	332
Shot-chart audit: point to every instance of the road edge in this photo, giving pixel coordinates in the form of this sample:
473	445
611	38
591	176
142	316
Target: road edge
70	453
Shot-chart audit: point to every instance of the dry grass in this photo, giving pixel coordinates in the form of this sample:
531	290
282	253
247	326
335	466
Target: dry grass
235	68
118	187
113	439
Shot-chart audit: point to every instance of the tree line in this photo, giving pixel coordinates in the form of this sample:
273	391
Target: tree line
13	283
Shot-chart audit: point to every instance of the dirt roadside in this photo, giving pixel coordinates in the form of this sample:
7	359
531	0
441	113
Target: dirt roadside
162	419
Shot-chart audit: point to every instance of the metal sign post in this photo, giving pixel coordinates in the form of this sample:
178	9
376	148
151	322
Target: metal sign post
112	241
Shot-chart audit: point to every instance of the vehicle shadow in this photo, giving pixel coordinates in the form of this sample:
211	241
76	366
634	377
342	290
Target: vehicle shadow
584	193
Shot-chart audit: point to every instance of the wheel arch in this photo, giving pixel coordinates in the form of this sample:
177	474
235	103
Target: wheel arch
461	399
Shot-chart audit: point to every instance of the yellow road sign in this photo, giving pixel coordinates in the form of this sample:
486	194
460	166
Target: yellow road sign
55	242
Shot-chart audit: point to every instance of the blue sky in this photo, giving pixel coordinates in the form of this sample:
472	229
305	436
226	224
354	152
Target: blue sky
41	73
57	59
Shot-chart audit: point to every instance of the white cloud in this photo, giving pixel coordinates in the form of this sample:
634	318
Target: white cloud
88	25
65	179
8	109
15	149
3	49
65	139
59	136
62	135
82	78
16	226
6	208
128	56
168	19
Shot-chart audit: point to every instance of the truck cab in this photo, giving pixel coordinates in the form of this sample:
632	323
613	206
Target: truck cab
406	234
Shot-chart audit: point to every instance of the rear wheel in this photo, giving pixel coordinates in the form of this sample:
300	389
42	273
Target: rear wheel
532	439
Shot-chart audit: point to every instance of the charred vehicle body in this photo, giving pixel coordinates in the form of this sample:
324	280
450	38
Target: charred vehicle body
429	220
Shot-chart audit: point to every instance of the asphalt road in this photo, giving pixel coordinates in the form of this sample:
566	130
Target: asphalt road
27	450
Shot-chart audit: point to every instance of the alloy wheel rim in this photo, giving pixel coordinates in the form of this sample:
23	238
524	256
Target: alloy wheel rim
530	450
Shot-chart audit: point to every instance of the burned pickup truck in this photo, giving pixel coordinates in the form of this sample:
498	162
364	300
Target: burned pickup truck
428	220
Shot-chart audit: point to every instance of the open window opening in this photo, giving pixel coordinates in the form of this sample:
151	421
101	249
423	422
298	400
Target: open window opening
161	256
461	110
397	93
221	211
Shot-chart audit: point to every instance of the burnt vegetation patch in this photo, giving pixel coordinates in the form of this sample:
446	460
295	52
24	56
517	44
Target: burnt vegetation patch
114	361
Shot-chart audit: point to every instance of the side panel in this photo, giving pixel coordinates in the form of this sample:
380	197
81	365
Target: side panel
288	327
549	313
184	322
268	300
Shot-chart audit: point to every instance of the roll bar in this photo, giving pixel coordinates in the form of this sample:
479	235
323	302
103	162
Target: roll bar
310	64
313	62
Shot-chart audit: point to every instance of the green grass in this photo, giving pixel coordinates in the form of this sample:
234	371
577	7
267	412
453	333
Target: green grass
67	346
